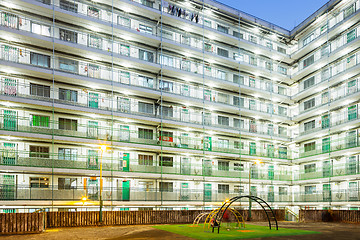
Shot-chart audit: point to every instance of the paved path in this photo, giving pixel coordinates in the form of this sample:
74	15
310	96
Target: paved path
336	231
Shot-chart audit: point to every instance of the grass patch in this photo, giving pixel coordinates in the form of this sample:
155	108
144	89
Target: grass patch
251	231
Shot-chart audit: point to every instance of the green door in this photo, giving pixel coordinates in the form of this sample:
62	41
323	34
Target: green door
207	144
271	197
185	166
327	169
93	159
270	150
124	133
7	187
9	154
252	148
92	130
10	120
184	192
271	172
325	121
326	192
207	167
125	161
93	100
207	192
126	190
326	145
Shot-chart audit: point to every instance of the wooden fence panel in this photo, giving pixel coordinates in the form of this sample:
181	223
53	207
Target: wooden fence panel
351	216
13	223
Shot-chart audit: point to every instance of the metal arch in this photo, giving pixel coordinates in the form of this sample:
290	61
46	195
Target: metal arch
233	211
232	200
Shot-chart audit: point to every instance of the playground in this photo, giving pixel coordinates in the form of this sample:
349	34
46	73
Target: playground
234	232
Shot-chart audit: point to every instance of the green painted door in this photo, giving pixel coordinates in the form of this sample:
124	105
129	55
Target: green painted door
185	166
327	169
125	162
326	192
207	192
271	172
184	192
252	148
9	154
126	190
10	120
207	167
325	121
93	100
207	144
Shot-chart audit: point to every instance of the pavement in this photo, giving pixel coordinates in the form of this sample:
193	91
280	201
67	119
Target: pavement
336	231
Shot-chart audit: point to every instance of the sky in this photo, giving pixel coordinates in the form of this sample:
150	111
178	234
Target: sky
284	13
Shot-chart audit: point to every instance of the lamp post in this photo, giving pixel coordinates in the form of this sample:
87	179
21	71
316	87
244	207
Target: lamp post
103	149
250	202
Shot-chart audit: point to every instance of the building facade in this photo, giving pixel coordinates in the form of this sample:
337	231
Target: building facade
177	105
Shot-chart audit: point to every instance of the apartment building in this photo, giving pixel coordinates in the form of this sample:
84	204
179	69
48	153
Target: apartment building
176	105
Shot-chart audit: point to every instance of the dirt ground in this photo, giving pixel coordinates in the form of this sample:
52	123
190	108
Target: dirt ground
338	231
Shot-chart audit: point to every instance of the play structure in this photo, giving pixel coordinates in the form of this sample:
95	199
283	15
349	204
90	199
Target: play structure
210	216
217	219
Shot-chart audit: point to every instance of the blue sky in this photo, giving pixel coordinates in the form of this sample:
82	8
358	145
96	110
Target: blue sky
284	13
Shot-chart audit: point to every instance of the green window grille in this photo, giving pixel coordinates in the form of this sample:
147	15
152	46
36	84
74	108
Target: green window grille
10	120
252	149
352	112
326	145
39	121
351	35
93	159
92	129
93	100
9	154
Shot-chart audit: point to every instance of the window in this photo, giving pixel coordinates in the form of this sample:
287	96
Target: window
238	57
68	124
124	133
166	186
282	90
166	86
283	152
145	133
39	60
238	79
238	35
308	61
253	60
147	3
167	111
351	165
222	52
223	143
350	61
208	47
10	120
239	123
239	189
282	131
238	101
39	182
352	112
325	74
39	152
310	189
68	6
309	168
283	191
223	120
223	166
253	126
269	65
145	29
309	82
39	90
223	188
281	50
309	125
67	154
325	50
124	21
68	36
68	95
146	81
166	136
146	107
166	161
146	160
93	159
66	183
222	29
351	86
39	121
269	45
282	70
167	60
237	145
351	139
308	39
146	55
351	35
40	29
253	39
125	50
93	12
207	23
282	110
238	167
309	103
349	10
68	65
309	147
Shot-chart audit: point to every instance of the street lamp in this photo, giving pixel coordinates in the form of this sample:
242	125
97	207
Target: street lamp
103	149
254	163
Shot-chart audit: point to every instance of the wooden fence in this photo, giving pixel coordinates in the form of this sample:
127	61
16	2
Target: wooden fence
350	216
11	223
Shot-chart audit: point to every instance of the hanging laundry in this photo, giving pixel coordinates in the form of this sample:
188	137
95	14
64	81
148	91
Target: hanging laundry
179	13
192	17
197	18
